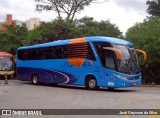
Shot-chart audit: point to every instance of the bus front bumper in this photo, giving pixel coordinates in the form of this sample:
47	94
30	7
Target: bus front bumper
6	72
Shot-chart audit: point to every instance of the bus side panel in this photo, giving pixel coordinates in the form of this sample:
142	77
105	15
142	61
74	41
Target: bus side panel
97	71
61	71
48	71
45	75
89	67
76	71
22	74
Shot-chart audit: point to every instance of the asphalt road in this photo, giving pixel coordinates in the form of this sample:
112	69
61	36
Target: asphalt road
24	95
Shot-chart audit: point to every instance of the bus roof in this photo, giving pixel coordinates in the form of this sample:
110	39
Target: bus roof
5	54
88	39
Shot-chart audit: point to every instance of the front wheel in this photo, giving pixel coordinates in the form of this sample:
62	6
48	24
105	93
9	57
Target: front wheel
91	83
34	79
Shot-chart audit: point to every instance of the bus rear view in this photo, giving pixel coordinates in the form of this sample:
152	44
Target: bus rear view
92	62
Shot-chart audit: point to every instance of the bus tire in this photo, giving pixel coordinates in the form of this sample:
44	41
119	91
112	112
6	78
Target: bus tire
91	83
34	79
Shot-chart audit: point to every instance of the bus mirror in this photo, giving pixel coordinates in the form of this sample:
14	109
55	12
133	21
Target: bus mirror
118	52
143	52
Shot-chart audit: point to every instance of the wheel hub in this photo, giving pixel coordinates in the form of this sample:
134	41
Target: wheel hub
92	84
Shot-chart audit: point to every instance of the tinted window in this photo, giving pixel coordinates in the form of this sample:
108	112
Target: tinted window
109	59
58	52
23	54
100	51
99	46
42	53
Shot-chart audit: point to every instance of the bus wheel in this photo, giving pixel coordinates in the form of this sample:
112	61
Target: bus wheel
91	83
34	79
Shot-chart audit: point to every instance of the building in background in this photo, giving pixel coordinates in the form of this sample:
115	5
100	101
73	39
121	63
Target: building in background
9	19
30	24
2	26
18	22
7	22
33	23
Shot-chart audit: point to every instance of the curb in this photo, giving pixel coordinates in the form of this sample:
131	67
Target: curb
150	86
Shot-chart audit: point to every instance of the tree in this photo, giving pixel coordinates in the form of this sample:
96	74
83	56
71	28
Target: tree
67	29
52	31
153	7
12	38
89	27
146	36
68	7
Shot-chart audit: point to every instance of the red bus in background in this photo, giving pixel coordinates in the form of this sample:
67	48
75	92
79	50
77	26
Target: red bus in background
7	65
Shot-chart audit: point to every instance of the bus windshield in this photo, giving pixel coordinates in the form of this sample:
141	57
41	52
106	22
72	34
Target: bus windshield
129	63
6	63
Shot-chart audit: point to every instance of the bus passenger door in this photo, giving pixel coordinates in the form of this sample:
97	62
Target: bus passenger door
109	58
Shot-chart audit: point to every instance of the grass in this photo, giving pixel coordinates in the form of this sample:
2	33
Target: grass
146	85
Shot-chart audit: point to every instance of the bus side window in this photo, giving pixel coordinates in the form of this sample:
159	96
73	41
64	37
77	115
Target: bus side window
20	54
58	52
32	54
64	52
44	54
49	53
90	54
53	51
23	54
109	59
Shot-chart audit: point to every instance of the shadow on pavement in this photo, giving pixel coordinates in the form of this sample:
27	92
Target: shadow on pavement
118	90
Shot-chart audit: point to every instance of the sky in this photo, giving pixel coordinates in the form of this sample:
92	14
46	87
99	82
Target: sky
122	13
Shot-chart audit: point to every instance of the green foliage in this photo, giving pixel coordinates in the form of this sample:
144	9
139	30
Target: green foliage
146	36
88	26
67	29
12	38
153	7
64	29
17	36
52	31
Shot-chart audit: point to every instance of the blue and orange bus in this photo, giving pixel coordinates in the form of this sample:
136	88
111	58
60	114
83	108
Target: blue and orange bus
6	64
92	62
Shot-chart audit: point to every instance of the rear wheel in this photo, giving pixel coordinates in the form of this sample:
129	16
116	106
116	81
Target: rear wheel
34	79
91	83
